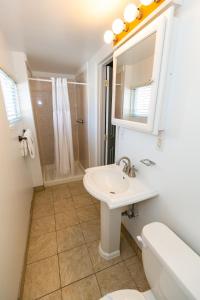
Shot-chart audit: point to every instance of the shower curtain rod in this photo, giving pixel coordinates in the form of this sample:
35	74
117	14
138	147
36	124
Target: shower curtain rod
49	80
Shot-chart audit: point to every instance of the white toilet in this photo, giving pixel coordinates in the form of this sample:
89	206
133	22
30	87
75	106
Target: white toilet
171	267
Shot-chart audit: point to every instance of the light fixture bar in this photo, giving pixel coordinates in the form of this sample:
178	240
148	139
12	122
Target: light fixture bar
132	16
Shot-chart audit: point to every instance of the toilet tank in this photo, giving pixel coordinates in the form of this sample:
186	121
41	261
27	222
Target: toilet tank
171	267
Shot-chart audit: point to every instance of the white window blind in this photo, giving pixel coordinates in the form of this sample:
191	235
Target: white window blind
10	95
141	99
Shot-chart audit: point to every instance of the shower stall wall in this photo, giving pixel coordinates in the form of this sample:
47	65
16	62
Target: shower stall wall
41	94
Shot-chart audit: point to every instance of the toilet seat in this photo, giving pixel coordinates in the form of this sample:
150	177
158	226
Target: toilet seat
124	295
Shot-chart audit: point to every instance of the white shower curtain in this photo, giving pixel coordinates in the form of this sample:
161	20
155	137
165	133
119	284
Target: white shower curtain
63	145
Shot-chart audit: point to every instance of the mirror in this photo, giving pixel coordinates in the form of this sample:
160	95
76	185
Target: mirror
134	81
137	68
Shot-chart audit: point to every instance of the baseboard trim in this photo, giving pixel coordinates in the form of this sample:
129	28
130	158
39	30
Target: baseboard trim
39	188
64	180
132	242
21	288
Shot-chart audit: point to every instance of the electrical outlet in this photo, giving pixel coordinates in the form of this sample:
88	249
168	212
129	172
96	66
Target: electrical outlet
160	139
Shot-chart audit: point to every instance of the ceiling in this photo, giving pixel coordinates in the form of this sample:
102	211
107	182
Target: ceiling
58	35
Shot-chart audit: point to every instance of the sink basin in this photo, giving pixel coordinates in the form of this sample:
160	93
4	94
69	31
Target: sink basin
112	186
115	190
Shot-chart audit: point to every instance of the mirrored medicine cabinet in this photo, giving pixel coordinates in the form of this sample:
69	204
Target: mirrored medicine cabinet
137	66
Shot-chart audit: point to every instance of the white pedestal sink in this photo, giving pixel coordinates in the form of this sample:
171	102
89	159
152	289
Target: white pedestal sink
109	246
115	190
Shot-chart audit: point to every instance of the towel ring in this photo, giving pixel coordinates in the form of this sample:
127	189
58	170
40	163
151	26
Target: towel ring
21	138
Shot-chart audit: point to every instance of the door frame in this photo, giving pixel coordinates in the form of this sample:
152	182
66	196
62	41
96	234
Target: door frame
101	108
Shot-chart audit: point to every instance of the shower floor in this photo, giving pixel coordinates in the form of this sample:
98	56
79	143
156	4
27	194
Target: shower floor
51	178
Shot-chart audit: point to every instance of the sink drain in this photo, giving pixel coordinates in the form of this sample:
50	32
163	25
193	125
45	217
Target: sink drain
112	192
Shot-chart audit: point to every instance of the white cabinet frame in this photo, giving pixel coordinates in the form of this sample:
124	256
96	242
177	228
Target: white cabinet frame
162	28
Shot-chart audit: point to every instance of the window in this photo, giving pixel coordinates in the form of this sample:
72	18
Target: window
136	103
141	98
10	94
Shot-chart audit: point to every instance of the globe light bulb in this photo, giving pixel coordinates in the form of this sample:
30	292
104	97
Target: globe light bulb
146	2
130	12
108	36
118	26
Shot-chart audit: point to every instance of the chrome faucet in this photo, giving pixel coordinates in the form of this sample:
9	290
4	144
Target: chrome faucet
127	169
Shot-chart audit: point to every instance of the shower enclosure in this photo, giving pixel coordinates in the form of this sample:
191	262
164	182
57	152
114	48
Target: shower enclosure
42	103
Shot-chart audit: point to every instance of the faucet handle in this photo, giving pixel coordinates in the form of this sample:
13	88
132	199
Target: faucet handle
132	171
125	168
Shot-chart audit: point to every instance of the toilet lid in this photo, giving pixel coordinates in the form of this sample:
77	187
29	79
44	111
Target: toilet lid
124	295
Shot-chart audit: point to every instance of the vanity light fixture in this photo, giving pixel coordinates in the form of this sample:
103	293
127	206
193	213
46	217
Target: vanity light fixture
118	26
132	16
131	12
108	37
146	2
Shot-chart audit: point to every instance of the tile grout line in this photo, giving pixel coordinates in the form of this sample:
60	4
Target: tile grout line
89	254
57	243
98	284
85	243
66	250
75	281
48	294
58	252
129	258
130	273
71	197
59	271
27	264
93	274
54	254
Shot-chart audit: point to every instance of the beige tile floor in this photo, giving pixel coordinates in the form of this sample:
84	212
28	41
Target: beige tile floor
63	262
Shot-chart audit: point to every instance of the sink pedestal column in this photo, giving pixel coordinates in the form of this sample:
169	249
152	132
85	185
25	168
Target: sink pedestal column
110	232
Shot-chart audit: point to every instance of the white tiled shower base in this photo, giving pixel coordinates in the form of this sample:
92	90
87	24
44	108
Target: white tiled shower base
51	178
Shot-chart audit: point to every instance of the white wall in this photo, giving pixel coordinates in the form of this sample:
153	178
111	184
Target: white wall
94	102
40	74
177	171
15	196
176	174
20	71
